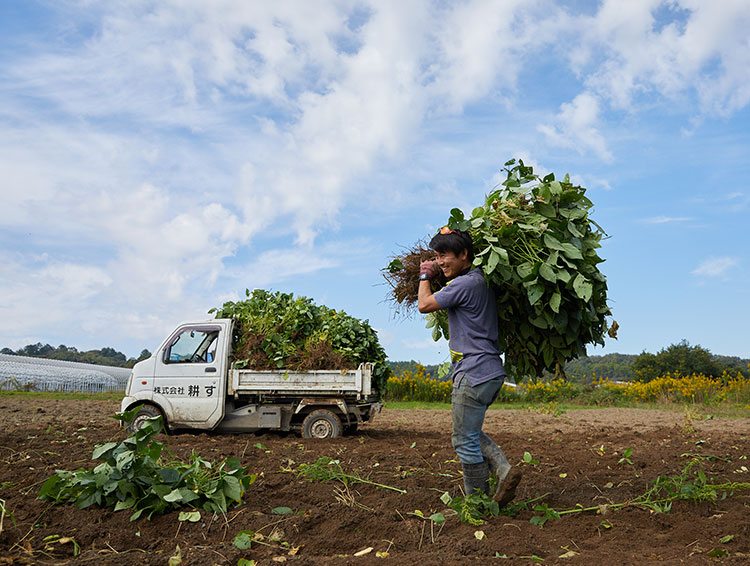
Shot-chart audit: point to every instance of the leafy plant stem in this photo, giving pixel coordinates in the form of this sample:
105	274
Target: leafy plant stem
325	469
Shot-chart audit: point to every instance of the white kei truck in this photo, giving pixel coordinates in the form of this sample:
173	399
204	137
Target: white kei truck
190	381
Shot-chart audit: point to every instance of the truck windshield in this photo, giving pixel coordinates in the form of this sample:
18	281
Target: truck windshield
194	346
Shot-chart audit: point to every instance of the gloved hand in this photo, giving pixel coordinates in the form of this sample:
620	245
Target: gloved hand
429	268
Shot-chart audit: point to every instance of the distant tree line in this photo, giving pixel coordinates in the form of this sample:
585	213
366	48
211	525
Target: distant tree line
616	367
685	359
681	358
429	370
103	357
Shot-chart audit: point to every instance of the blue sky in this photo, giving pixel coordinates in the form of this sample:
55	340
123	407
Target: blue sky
157	158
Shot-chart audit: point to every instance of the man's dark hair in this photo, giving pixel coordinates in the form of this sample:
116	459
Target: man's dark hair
455	242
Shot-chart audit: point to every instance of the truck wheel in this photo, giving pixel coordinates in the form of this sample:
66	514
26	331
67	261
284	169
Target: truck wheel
144	412
321	424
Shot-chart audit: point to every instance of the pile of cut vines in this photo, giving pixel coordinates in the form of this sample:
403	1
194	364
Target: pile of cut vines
537	246
134	474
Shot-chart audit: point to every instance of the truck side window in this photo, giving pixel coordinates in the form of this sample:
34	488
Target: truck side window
193	346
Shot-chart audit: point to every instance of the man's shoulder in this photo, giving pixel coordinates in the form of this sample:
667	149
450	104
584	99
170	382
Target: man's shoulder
473	277
466	282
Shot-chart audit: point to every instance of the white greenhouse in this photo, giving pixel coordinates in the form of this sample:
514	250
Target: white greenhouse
21	373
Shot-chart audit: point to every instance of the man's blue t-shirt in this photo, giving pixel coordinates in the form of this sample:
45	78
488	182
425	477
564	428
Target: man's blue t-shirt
472	318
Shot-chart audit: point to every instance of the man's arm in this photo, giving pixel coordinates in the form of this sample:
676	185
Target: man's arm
425	298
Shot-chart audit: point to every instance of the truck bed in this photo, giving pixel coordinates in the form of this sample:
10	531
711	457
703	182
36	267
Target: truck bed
289	382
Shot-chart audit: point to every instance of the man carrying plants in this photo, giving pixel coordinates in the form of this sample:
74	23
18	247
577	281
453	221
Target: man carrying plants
478	371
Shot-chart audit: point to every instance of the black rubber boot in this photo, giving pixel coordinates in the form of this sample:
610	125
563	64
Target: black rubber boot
506	490
476	476
496	460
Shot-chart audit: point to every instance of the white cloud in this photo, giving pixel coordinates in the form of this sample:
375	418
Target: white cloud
278	265
665	219
273	267
600	183
715	266
631	55
738	201
577	127
675	49
49	289
476	41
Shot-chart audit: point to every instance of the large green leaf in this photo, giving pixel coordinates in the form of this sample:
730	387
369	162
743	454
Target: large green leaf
181	495
219	500
571	251
553	243
582	287
503	253
525	270
492	262
102	449
535	293
169	475
563	275
573	229
126	504
554	302
545	209
232	488
125	459
547	273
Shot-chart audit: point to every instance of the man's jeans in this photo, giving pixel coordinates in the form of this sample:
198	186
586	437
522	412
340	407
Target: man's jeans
468	406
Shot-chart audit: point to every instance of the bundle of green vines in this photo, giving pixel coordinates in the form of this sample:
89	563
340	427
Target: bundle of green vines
275	330
537	246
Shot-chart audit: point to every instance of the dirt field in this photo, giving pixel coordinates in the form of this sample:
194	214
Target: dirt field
578	455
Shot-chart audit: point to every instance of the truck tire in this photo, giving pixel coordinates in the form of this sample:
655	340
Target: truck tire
321	424
144	412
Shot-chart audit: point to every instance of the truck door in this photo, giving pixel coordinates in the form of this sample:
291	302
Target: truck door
190	374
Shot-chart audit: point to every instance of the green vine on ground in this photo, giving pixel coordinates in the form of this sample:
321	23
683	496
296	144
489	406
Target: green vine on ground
326	469
691	484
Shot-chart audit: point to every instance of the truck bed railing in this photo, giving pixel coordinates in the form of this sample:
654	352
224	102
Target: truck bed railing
285	382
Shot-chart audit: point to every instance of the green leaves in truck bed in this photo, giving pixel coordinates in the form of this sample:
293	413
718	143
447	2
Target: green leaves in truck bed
278	330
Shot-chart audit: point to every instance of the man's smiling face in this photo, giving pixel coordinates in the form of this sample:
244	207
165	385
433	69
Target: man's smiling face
451	264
